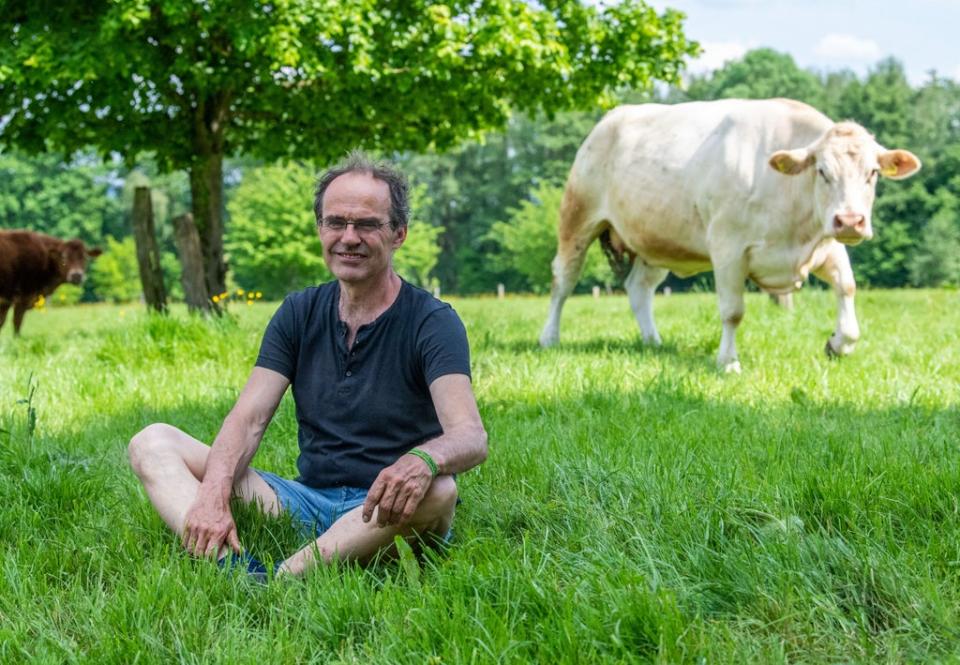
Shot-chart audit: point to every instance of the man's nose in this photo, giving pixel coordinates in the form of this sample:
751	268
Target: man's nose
350	234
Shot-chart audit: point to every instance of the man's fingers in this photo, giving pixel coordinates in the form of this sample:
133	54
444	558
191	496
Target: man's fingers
385	511
413	502
373	498
200	546
234	540
212	549
189	536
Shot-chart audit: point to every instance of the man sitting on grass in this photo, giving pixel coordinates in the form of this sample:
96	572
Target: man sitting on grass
381	380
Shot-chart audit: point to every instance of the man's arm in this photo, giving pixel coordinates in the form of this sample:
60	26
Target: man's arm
209	524
400	487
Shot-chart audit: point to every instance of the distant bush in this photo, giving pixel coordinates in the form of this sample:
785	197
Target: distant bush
528	242
114	276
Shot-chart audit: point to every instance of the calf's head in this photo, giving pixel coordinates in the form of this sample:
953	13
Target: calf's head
72	257
845	163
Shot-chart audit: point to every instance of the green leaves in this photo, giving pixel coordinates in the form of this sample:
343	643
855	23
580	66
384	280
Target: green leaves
314	78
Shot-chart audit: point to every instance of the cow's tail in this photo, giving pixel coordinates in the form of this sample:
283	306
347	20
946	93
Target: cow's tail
619	258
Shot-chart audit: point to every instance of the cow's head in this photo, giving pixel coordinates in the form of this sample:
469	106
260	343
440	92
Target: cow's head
845	163
72	257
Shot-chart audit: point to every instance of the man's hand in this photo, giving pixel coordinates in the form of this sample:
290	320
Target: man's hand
208	526
398	491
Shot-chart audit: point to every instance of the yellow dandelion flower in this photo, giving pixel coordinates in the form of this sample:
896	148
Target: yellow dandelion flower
249	303
239	292
259	294
215	298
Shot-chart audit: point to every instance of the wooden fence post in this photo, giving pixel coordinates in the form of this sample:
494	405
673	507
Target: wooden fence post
192	277
148	254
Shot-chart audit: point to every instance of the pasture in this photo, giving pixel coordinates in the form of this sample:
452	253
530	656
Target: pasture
637	504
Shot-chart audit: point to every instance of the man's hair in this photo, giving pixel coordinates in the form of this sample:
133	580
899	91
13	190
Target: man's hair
358	161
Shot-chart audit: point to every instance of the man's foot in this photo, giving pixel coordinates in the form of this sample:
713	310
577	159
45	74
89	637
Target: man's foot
247	563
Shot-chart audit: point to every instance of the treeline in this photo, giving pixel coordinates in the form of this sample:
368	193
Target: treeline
485	212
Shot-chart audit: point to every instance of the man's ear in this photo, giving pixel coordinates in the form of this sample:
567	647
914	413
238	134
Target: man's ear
400	235
898	164
94	252
791	162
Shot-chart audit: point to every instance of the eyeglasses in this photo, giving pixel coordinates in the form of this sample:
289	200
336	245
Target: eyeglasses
361	226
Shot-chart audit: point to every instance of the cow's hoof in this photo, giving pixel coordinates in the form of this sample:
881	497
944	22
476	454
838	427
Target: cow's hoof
732	367
828	349
546	341
653	340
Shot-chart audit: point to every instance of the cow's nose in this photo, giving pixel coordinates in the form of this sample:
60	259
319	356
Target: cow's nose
75	277
849	223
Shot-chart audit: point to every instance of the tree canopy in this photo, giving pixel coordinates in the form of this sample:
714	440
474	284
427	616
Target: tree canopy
191	82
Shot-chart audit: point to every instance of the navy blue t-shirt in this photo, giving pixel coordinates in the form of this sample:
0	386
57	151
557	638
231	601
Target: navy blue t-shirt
360	409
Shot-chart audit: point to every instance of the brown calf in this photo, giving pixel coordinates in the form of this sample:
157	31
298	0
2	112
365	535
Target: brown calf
34	264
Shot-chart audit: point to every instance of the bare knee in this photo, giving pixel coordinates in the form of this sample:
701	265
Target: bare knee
439	501
148	445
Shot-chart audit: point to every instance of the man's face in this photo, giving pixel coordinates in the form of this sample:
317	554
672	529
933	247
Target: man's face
358	255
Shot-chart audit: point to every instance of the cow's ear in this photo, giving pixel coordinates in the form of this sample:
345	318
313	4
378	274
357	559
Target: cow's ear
94	252
898	164
791	162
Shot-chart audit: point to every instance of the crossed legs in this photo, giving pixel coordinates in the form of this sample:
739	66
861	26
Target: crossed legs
170	464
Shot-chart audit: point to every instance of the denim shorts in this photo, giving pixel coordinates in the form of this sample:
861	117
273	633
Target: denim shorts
314	510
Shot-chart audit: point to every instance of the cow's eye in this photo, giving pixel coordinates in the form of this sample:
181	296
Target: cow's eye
823	174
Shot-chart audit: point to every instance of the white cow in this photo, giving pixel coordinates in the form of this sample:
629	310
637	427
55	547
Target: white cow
765	190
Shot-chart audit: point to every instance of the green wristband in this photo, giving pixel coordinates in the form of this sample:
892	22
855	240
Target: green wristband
425	456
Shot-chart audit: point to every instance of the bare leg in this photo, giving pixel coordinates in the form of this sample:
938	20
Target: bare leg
641	284
20	308
573	239
730	279
352	539
836	271
4	308
171	463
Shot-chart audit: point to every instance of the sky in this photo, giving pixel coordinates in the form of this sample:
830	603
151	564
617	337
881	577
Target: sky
825	35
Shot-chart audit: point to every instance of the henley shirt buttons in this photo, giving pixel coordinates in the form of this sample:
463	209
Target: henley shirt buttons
349	373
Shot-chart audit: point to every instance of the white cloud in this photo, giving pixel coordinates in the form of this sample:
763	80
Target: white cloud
715	54
847	47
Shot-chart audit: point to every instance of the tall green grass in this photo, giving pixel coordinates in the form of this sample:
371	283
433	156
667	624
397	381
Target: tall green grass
637	505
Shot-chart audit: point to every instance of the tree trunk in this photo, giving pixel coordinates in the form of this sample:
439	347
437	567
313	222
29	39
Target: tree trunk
206	189
193	279
148	254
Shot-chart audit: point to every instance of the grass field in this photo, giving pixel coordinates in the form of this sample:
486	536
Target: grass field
636	506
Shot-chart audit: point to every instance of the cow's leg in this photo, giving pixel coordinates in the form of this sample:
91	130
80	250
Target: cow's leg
730	280
641	284
20	308
836	272
573	240
784	300
4	308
